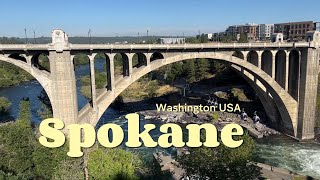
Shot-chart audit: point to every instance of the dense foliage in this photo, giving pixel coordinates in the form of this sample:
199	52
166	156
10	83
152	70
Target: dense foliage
22	157
112	164
4	104
11	75
221	162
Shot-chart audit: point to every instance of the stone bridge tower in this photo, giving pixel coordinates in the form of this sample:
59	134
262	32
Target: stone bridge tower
63	80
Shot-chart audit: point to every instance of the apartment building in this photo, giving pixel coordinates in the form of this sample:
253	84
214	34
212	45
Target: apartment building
250	30
294	30
265	31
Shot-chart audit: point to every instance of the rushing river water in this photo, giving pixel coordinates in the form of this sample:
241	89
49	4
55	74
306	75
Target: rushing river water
278	151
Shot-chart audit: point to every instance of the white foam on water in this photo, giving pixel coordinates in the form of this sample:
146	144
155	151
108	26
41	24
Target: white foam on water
309	160
299	158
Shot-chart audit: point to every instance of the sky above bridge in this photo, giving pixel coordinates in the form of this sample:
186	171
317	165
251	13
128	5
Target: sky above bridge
159	17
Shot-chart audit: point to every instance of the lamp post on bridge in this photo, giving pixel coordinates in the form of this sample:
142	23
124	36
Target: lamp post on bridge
25	34
34	36
89	36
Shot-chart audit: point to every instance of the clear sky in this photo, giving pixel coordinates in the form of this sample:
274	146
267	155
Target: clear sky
160	17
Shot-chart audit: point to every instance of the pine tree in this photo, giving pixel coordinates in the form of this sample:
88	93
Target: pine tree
189	71
202	66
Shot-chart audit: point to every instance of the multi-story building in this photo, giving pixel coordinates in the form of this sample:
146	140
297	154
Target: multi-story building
317	25
172	40
218	36
265	31
209	36
250	30
294	30
282	28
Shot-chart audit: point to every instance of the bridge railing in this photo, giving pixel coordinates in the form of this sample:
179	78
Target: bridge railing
155	46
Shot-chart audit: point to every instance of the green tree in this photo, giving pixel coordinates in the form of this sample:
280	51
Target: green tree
189	71
243	38
222	162
24	118
112	164
4	104
215	116
152	88
204	38
202	66
11	75
174	71
227	39
46	109
17	140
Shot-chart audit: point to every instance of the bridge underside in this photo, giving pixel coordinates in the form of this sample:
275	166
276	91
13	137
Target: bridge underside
272	95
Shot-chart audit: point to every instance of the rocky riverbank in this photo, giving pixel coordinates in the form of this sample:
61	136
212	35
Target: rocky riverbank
202	117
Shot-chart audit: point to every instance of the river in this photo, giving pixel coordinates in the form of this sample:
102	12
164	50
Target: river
279	151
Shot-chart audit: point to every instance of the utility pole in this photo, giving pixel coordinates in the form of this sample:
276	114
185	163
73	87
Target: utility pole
147	34
89	36
34	36
138	37
25	34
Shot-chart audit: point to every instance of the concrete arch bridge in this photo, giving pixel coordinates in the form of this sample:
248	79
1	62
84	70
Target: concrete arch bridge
284	75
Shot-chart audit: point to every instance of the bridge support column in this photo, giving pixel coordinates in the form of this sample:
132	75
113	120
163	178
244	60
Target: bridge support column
110	73
93	83
307	93
273	64
287	73
29	59
148	57
64	92
259	59
245	55
130	57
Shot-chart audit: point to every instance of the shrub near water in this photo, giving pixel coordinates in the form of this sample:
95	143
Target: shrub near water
22	157
112	164
4	104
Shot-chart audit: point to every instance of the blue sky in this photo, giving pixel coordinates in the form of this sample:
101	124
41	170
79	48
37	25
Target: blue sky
165	17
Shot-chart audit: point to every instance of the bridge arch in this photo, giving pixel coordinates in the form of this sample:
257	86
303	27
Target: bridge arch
284	102
139	60
266	62
156	56
293	77
280	67
18	57
122	60
238	54
41	61
21	62
83	84
253	58
105	69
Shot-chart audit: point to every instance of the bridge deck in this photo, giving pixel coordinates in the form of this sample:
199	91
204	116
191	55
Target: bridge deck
33	47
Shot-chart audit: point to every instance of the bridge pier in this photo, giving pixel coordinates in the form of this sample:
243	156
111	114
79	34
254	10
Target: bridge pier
287	72
308	93
63	82
273	64
93	83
